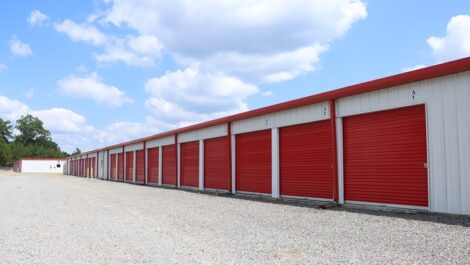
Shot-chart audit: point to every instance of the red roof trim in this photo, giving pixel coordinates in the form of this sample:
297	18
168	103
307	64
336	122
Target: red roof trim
39	158
434	71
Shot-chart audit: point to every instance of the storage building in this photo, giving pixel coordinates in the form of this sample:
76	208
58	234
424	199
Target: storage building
39	165
400	141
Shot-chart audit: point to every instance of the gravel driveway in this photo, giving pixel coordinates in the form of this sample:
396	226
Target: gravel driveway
55	219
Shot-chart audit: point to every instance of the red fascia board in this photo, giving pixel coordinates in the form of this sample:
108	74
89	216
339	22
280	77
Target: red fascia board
434	71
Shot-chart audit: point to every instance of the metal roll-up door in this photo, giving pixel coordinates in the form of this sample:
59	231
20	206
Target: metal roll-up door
120	176
129	166
113	167
217	163
152	177
385	157
253	160
140	166
305	159
190	164
169	165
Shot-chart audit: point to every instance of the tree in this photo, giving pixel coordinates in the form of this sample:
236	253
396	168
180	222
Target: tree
31	131
5	131
77	151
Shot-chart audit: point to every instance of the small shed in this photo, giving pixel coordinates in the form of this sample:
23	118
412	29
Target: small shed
39	165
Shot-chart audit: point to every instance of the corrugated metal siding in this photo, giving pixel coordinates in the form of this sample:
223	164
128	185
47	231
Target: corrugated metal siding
190	164
169	165
140	166
161	141
306	160
310	113
120	176
384	157
446	100
217	163
115	150
205	133
133	147
129	166
152	177
253	151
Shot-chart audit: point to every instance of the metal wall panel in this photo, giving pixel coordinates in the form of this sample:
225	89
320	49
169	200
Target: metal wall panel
169	165
190	164
217	163
306	160
448	129
253	162
115	150
133	147
161	142
310	113
120	176
153	166
140	166
205	133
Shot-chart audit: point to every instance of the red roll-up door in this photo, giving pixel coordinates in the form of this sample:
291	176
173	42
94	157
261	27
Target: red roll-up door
140	166
190	164
120	176
152	177
253	159
306	160
83	169
129	166
217	163
385	157
113	166
169	165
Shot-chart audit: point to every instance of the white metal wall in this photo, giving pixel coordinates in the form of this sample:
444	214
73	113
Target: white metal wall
310	113
42	166
160	142
204	133
447	101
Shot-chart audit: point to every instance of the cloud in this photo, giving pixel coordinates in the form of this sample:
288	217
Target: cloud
191	95
19	48
456	43
247	39
37	17
91	87
81	32
11	109
416	67
61	120
29	93
267	93
3	67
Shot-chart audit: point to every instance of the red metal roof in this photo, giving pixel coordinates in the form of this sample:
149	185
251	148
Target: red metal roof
434	71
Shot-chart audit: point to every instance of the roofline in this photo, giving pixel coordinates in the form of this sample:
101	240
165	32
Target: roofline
438	70
39	158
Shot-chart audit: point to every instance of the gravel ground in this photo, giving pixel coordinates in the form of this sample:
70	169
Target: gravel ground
55	219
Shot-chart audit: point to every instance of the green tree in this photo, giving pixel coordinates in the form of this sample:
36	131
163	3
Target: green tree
5	131
77	151
31	131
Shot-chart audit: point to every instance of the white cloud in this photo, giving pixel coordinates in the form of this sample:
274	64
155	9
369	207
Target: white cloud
416	67
37	17
81	32
3	67
267	93
11	109
243	38
19	48
456	42
91	87
61	120
190	95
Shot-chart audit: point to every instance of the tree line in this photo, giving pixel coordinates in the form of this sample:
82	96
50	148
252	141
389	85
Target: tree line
30	140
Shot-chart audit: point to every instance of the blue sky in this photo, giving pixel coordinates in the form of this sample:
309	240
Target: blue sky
105	71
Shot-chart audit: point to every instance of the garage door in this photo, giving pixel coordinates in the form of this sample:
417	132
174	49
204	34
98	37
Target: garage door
190	164
82	171
217	163
152	177
169	165
120	176
306	160
140	166
113	167
253	160
129	166
385	157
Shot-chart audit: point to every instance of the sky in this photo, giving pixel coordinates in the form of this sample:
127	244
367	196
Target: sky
100	72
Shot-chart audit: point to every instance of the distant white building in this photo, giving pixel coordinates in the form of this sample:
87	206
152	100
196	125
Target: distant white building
39	165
